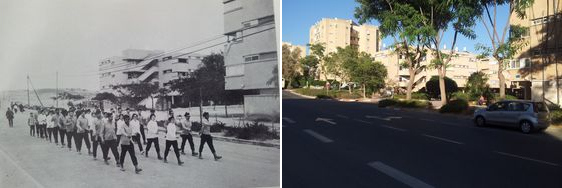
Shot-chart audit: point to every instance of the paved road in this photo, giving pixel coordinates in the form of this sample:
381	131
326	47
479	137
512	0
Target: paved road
361	145
30	162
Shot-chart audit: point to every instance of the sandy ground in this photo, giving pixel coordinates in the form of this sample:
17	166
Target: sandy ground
27	161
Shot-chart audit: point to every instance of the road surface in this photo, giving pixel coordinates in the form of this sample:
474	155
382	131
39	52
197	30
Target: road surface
31	162
341	144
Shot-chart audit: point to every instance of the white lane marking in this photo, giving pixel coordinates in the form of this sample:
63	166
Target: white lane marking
342	116
20	168
377	117
398	175
527	158
318	136
423	119
288	120
395	128
442	139
327	120
362	121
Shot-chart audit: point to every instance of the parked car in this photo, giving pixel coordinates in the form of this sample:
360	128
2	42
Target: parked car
525	115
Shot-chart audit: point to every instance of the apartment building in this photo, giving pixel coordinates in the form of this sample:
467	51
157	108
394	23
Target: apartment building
536	69
251	54
334	33
136	66
460	68
293	47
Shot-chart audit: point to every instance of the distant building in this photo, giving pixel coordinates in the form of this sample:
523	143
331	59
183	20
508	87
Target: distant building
136	66
251	54
536	71
300	47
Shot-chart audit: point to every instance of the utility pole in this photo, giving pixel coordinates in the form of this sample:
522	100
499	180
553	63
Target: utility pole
57	91
28	104
200	107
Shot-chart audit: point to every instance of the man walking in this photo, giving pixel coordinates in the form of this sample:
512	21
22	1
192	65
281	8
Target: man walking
185	126
31	122
10	116
82	133
109	140
206	137
127	145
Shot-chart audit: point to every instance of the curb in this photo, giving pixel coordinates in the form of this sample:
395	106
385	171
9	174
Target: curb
235	140
301	95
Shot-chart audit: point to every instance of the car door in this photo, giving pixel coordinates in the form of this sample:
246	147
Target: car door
512	116
494	112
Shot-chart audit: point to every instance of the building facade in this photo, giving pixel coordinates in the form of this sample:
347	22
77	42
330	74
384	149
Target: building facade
251	54
536	69
300	47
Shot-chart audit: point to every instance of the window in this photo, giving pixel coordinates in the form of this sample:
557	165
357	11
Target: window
499	106
251	58
267	19
182	60
525	63
517	106
167	71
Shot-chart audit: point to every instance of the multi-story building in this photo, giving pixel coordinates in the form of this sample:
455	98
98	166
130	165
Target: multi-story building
251	54
535	70
334	33
462	65
136	66
293	47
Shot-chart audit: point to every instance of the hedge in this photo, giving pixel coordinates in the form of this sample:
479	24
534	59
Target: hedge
455	106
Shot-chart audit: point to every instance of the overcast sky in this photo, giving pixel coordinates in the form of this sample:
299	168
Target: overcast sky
39	37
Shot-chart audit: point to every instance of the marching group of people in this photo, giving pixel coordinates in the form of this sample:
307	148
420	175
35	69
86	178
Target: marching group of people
117	132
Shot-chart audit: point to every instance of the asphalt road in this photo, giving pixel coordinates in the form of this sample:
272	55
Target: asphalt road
31	162
343	144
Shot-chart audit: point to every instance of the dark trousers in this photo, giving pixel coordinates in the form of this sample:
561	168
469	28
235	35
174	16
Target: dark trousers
156	145
189	138
136	138
69	135
96	141
173	144
50	133
110	144
128	148
42	130
209	140
55	134
32	130
11	122
142	134
62	132
78	140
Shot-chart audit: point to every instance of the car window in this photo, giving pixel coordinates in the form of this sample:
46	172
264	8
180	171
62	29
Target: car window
517	106
539	107
499	106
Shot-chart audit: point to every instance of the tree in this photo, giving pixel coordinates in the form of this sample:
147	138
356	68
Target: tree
309	66
133	93
105	96
433	90
290	63
502	49
406	25
342	63
370	75
317	50
476	84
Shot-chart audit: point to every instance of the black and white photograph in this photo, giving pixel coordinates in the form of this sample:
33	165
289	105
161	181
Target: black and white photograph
138	93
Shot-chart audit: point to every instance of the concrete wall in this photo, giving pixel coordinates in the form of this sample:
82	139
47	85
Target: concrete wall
266	105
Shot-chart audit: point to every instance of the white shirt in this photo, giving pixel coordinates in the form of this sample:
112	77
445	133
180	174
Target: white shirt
42	119
120	124
152	127
135	127
171	131
50	122
91	125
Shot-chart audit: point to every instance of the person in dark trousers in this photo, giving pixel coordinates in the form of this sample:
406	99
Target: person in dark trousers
52	130
10	117
127	145
61	125
70	125
206	137
42	119
82	133
136	132
143	122
109	140
185	134
152	136
31	121
96	134
171	140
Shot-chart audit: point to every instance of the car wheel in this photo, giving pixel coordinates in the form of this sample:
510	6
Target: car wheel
526	127
480	121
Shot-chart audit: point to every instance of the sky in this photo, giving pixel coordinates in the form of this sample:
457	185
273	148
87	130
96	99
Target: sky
300	15
41	37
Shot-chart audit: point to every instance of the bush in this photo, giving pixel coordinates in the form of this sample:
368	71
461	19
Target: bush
433	90
387	102
344	94
323	96
318	83
556	116
455	106
461	95
414	104
415	95
217	127
252	131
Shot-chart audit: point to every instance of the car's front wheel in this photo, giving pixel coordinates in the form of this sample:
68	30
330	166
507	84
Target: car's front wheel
480	121
526	126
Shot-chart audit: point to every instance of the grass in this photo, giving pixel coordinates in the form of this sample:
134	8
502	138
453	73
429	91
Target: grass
322	94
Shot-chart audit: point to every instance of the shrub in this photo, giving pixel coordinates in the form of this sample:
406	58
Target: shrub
461	95
217	127
415	95
346	95
414	104
255	130
323	96
387	102
455	106
433	90
556	116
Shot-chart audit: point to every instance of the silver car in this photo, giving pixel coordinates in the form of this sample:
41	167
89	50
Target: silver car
525	115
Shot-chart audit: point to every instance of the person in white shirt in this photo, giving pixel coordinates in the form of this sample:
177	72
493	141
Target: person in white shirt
42	124
118	126
171	140
152	136
127	144
185	127
136	131
91	127
206	137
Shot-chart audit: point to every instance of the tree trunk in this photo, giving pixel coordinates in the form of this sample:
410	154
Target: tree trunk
410	86
364	96
152	99
442	86
290	86
226	110
349	87
501	79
